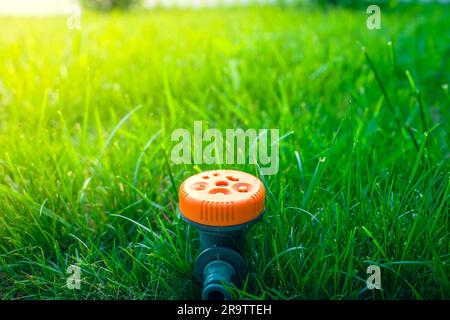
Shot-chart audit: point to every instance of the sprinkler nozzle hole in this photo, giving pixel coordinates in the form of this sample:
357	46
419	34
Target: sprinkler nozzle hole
221	183
231	178
199	186
242	187
219	190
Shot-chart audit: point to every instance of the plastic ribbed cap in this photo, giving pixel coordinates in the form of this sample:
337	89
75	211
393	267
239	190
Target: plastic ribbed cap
222	198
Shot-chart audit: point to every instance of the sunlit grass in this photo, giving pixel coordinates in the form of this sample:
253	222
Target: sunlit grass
77	108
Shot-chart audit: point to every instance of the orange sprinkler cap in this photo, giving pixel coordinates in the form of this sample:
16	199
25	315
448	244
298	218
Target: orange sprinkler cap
221	198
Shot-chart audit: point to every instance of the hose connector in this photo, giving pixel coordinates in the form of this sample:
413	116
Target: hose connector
217	276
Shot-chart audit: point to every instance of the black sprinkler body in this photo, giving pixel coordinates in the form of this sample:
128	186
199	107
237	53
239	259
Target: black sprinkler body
222	205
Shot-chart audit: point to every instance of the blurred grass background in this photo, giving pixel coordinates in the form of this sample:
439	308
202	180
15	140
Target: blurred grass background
364	177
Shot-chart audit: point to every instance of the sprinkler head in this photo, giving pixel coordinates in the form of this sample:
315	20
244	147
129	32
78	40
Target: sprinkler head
222	204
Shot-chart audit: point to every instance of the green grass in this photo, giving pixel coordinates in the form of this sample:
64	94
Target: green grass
364	178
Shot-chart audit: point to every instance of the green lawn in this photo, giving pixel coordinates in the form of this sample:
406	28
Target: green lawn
363	179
